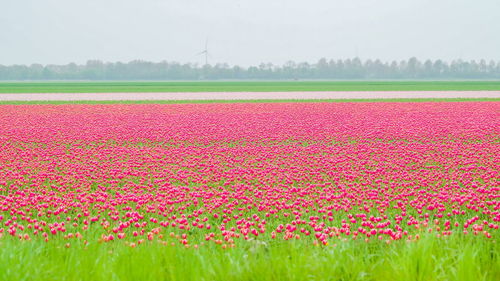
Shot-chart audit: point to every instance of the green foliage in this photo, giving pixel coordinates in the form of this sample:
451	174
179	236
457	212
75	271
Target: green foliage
430	258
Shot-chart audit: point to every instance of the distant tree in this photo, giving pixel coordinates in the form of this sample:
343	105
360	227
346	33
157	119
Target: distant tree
439	69
394	70
413	67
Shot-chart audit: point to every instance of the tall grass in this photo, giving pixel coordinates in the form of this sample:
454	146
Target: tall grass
458	257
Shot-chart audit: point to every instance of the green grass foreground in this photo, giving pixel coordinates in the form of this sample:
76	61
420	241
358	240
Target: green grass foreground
246	101
455	258
249	86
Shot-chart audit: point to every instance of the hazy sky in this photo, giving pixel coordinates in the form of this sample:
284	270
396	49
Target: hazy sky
246	31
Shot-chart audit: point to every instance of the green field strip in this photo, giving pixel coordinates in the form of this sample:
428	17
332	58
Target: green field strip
252	86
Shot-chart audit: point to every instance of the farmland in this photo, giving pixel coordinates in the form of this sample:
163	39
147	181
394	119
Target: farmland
250	191
240	86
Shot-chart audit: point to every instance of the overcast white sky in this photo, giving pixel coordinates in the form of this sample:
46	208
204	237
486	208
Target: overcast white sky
246	32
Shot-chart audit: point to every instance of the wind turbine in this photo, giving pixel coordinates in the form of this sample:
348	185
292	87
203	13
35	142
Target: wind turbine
205	52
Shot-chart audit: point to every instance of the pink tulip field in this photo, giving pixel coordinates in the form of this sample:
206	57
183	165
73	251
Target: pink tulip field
374	190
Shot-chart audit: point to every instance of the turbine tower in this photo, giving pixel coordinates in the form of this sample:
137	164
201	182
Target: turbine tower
205	52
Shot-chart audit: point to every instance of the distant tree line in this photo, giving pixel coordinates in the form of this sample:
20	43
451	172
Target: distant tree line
323	69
